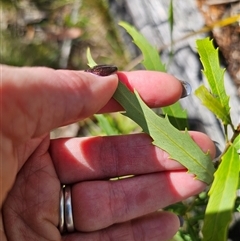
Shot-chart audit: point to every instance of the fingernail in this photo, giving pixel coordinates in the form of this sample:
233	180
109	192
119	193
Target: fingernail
181	220
186	89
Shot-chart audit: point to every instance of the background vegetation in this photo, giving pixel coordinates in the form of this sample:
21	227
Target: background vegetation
56	34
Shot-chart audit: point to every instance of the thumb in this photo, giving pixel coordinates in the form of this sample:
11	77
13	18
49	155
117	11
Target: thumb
36	100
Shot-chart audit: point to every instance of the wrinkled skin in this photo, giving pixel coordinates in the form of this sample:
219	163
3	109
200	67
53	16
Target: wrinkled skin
33	167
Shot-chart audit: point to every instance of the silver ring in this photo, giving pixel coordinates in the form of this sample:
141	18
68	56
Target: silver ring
68	209
61	212
66	223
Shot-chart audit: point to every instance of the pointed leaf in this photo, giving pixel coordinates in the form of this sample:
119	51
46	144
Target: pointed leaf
152	61
171	17
91	62
213	72
179	145
150	54
222	197
212	104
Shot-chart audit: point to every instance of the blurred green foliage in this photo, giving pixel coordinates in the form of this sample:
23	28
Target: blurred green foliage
57	33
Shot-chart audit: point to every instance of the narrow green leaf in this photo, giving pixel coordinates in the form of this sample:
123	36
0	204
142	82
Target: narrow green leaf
212	104
150	54
222	197
152	61
91	62
171	22
213	72
124	124
179	145
106	125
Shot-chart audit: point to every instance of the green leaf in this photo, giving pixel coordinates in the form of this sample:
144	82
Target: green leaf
222	197
171	17
177	115
91	62
151	58
124	124
212	70
152	61
212	104
179	145
236	143
214	73
106	124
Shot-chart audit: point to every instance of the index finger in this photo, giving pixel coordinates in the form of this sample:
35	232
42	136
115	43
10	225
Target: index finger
157	89
45	98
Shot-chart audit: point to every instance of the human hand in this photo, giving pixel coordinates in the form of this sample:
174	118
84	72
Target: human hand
33	167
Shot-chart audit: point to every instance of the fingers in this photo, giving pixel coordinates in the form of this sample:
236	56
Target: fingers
99	204
160	226
36	100
92	158
155	88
